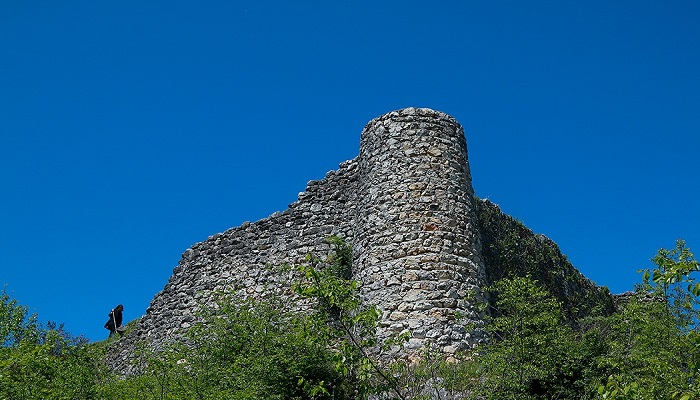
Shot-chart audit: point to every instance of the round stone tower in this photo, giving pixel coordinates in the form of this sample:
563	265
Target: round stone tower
416	247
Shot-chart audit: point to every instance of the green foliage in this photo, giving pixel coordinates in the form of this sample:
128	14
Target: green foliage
675	266
242	349
435	375
654	341
533	353
648	349
642	346
15	322
43	363
340	261
349	325
245	349
674	280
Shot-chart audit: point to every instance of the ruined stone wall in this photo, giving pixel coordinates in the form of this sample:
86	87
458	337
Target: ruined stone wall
243	260
407	206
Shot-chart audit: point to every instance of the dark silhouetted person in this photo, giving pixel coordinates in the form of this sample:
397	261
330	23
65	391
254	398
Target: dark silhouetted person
115	321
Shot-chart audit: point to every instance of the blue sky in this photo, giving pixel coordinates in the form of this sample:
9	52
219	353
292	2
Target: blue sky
131	130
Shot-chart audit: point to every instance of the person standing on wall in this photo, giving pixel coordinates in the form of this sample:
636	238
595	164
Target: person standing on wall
115	320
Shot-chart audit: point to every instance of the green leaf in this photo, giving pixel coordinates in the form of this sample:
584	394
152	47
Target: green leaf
696	290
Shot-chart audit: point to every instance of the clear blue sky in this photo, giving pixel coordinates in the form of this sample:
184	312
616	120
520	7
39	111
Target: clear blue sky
131	130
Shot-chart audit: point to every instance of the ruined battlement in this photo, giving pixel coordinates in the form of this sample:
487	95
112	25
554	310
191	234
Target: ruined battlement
407	206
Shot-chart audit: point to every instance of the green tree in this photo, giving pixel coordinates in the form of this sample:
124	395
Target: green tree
43	362
242	349
349	325
654	342
15	322
532	352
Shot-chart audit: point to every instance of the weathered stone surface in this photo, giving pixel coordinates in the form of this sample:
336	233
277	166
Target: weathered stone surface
407	206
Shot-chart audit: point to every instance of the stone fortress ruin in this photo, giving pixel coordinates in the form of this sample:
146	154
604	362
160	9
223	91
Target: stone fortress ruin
422	243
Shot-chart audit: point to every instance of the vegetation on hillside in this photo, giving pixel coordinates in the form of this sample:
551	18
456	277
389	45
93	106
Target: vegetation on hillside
649	348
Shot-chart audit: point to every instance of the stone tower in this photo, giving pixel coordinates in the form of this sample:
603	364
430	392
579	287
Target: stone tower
416	246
